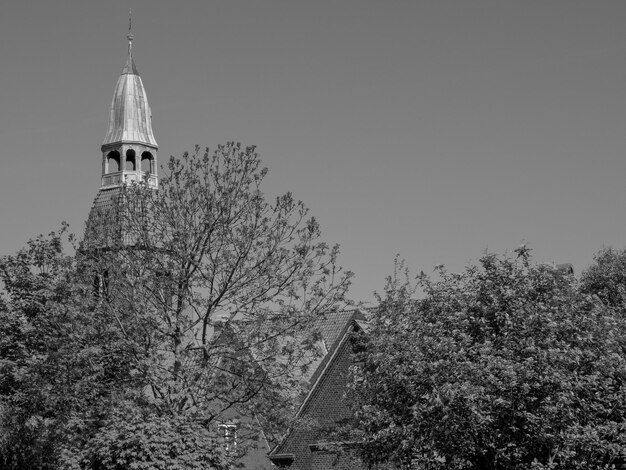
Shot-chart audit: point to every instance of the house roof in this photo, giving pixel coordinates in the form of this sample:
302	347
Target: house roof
351	321
332	325
335	327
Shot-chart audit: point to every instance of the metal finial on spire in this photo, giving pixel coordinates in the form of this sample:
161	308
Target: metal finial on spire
130	36
130	64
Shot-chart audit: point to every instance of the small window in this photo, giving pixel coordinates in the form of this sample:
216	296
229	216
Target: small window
229	431
357	371
165	290
101	286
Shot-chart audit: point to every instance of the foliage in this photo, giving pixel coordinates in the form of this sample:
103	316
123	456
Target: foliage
507	365
34	279
217	287
62	365
140	440
44	373
606	278
130	355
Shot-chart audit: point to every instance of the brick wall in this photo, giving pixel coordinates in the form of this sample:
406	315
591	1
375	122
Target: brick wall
326	407
324	460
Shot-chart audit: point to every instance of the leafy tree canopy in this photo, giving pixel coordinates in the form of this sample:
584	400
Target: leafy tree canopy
606	278
507	365
55	357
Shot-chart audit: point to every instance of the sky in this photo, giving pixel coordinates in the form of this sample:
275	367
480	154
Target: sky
436	130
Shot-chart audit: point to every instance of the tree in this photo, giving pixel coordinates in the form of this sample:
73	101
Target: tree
192	312
138	439
606	278
507	365
60	364
218	289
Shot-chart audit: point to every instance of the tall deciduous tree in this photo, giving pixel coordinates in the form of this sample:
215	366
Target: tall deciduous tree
219	287
507	365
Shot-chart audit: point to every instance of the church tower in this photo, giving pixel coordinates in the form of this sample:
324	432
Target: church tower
129	155
129	148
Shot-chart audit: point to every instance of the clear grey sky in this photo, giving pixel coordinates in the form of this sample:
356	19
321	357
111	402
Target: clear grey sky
434	129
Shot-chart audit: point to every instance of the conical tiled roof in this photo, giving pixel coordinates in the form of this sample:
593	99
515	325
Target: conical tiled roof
130	119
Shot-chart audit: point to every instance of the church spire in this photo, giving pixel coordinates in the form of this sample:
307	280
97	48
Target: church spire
129	155
129	147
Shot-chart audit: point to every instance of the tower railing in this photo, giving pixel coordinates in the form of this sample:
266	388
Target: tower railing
128	176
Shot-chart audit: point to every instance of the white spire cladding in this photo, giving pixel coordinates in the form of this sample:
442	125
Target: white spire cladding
130	119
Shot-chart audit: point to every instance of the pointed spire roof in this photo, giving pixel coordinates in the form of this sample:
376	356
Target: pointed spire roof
130	66
130	118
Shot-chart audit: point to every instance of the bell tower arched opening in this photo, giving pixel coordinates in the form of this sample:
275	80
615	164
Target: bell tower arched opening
113	162
130	160
147	162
